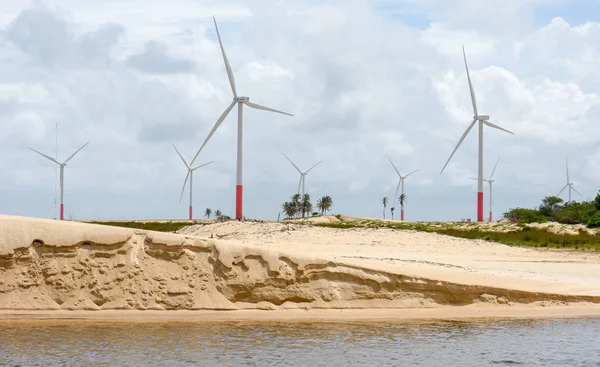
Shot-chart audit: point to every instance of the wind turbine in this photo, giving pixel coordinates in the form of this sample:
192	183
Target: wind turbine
483	120
490	181
302	173
62	176
240	101
189	175
569	183
400	182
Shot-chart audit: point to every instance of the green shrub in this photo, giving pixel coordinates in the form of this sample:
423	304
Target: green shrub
523	215
594	221
575	213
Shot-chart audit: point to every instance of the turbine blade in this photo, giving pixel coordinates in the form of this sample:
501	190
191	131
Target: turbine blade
576	190
473	101
473	178
202	165
180	156
217	124
77	151
313	167
184	183
227	66
300	182
567	161
260	107
563	189
393	165
411	173
397	189
459	142
494	170
293	164
486	122
46	156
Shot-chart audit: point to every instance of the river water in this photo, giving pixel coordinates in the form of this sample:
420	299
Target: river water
564	342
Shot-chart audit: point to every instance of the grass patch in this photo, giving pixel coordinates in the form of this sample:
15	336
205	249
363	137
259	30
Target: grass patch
150	226
521	236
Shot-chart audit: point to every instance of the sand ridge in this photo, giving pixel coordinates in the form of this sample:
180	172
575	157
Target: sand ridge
52	265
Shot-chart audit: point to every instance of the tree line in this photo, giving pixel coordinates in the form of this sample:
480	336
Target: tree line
300	206
556	209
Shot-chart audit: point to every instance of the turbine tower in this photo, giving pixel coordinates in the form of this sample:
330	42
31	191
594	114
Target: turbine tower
62	176
490	182
400	183
483	120
240	101
569	183
189	175
302	173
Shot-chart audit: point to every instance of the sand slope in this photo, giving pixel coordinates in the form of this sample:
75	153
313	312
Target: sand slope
52	265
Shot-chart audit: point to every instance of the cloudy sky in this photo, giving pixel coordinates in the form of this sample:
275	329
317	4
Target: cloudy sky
364	79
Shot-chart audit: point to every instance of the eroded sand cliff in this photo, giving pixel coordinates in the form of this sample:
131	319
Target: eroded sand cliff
52	265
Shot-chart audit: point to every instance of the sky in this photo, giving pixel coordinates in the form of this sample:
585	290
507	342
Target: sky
363	79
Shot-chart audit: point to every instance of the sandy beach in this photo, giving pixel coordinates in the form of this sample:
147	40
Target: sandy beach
253	270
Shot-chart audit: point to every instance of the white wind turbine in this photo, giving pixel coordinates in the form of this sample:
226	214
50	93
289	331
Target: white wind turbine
190	175
400	183
483	120
490	182
569	183
240	101
303	174
62	176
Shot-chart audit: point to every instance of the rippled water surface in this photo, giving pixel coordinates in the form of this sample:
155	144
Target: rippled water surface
570	342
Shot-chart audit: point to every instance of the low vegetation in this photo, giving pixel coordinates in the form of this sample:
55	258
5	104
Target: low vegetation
162	226
514	235
555	209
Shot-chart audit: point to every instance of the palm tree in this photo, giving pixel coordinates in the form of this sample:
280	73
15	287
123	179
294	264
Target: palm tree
289	209
207	213
306	205
218	214
296	202
327	203
402	200
385	203
392	210
320	205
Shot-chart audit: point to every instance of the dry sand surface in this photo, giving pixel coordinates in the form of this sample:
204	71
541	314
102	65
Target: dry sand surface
50	266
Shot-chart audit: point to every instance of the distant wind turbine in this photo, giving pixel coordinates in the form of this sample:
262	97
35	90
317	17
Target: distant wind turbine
569	183
483	120
62	176
240	101
303	174
189	175
490	182
400	183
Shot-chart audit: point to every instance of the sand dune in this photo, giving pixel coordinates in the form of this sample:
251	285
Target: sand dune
52	265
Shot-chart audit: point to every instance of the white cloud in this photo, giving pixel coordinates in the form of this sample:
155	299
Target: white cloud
132	76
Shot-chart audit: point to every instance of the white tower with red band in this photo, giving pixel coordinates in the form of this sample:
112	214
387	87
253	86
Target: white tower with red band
62	176
240	101
483	120
400	183
190	175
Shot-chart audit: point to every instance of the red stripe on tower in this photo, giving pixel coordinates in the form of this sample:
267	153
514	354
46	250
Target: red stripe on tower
238	201
480	206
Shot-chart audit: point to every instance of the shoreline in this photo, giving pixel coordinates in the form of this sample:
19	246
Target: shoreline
447	313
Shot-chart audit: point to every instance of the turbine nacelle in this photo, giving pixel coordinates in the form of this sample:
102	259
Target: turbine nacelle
481	117
241	99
